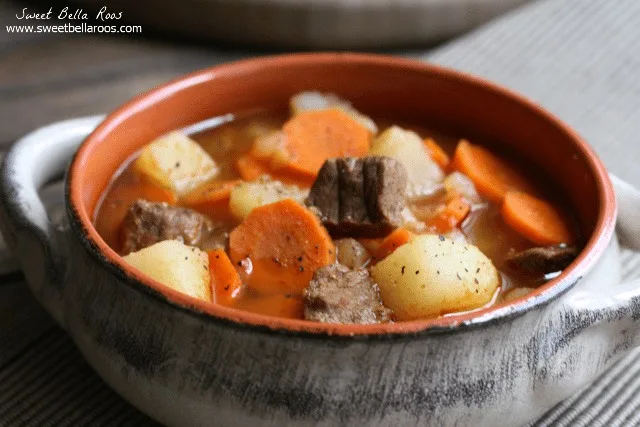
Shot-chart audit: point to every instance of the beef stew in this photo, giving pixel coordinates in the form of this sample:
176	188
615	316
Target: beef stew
314	214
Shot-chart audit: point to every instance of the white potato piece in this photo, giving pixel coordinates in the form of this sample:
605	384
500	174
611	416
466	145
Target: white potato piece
247	196
458	183
406	146
311	101
272	146
432	275
176	265
176	162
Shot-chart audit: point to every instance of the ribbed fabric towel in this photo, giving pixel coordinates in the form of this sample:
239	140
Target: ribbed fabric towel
578	58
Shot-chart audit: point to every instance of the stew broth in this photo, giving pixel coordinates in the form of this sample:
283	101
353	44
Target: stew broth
483	227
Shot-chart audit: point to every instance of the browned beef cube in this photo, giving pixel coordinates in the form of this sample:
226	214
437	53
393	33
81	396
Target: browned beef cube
337	294
147	223
542	260
359	197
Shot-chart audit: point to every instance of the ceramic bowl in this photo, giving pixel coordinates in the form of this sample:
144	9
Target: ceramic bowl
185	362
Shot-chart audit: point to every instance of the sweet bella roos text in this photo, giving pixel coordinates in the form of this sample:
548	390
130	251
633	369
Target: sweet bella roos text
76	15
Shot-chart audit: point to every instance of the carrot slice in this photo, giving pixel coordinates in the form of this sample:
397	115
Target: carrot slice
251	167
312	137
537	220
491	175
281	245
225	280
278	305
450	215
210	196
393	241
437	153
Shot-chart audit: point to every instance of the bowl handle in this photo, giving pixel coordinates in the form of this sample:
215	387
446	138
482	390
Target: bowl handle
602	299
36	242
628	227
626	295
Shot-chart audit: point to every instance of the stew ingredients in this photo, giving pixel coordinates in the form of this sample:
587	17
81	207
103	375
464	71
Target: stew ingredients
338	294
359	197
148	223
431	275
181	267
315	214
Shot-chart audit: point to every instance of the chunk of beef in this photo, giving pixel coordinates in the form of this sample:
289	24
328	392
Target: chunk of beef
337	294
147	223
359	196
543	260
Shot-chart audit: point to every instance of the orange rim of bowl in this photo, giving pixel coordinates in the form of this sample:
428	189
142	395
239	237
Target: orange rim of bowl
82	224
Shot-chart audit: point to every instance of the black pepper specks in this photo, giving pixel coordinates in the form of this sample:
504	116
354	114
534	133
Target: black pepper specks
402	270
441	237
417	272
458	276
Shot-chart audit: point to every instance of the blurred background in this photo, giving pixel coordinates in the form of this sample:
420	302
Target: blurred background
47	76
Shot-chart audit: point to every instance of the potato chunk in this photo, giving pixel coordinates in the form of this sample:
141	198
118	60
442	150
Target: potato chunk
176	162
432	275
309	101
406	146
176	265
247	196
457	183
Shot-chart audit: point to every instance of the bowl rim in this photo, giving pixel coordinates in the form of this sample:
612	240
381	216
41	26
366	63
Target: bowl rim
81	223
